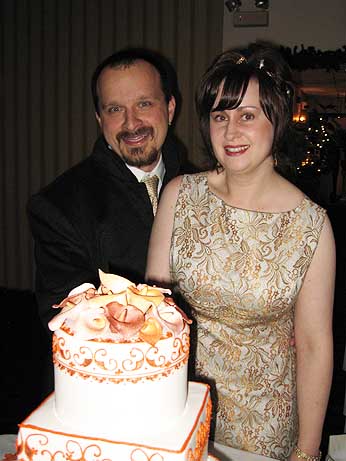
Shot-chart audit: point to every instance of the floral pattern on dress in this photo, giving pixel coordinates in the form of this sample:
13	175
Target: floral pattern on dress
241	272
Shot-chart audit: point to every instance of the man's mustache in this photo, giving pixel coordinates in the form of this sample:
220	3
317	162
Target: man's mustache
143	131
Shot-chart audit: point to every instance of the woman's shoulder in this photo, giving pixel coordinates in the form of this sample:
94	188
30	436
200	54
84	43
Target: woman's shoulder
302	209
186	179
288	197
300	197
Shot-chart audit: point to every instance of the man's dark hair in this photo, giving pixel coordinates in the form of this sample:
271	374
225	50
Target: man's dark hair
127	57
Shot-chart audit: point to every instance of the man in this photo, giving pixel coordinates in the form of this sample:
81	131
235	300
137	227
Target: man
98	215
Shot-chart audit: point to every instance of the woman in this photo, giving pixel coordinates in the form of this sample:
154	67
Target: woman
255	259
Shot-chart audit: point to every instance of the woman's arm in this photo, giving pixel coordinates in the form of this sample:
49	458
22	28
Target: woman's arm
157	270
314	343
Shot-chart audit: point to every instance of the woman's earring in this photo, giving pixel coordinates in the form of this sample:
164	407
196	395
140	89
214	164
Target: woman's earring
275	160
219	168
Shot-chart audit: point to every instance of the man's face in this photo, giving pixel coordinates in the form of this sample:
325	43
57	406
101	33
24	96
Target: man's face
134	115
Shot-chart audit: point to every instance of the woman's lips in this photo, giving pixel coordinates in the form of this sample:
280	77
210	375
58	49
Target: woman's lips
234	151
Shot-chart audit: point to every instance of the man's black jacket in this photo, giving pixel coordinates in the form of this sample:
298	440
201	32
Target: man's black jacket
94	216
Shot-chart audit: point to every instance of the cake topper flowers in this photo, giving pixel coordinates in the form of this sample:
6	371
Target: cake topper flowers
119	310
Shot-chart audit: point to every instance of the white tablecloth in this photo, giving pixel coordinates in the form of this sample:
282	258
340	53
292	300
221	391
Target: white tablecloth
7	445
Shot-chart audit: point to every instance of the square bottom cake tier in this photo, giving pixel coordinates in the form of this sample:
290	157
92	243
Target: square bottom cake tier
42	436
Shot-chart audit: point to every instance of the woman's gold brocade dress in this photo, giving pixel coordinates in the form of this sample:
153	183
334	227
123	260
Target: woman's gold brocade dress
241	271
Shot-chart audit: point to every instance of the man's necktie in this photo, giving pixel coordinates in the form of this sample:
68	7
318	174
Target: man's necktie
151	183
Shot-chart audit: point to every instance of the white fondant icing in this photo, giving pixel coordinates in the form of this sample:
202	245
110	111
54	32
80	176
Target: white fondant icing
44	432
98	382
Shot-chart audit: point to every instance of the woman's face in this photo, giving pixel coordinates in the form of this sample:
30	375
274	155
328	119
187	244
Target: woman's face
242	138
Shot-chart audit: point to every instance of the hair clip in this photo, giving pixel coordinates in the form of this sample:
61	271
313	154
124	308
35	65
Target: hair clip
262	67
241	60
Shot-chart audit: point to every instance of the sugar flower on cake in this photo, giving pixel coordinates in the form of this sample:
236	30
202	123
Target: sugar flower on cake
124	319
169	314
119	310
91	323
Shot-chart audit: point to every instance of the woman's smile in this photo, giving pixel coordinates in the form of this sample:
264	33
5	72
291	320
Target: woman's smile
234	151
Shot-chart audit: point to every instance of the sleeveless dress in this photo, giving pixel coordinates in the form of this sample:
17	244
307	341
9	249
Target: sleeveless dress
240	271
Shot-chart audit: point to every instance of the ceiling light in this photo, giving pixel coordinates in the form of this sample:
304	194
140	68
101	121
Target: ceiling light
233	5
262	4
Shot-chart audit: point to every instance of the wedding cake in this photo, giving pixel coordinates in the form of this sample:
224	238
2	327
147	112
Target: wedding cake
120	356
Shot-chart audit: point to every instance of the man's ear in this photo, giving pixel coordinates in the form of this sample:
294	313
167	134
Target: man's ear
171	109
98	118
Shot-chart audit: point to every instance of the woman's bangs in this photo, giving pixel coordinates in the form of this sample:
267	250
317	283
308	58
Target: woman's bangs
233	91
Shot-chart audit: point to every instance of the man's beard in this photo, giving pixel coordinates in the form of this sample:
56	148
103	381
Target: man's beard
138	156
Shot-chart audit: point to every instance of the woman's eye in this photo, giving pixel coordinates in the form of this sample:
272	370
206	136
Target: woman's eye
248	116
219	117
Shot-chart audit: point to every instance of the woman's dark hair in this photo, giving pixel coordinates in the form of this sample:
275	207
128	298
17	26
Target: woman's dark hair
233	69
126	58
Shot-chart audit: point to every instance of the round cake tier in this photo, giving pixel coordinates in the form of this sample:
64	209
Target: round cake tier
132	384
